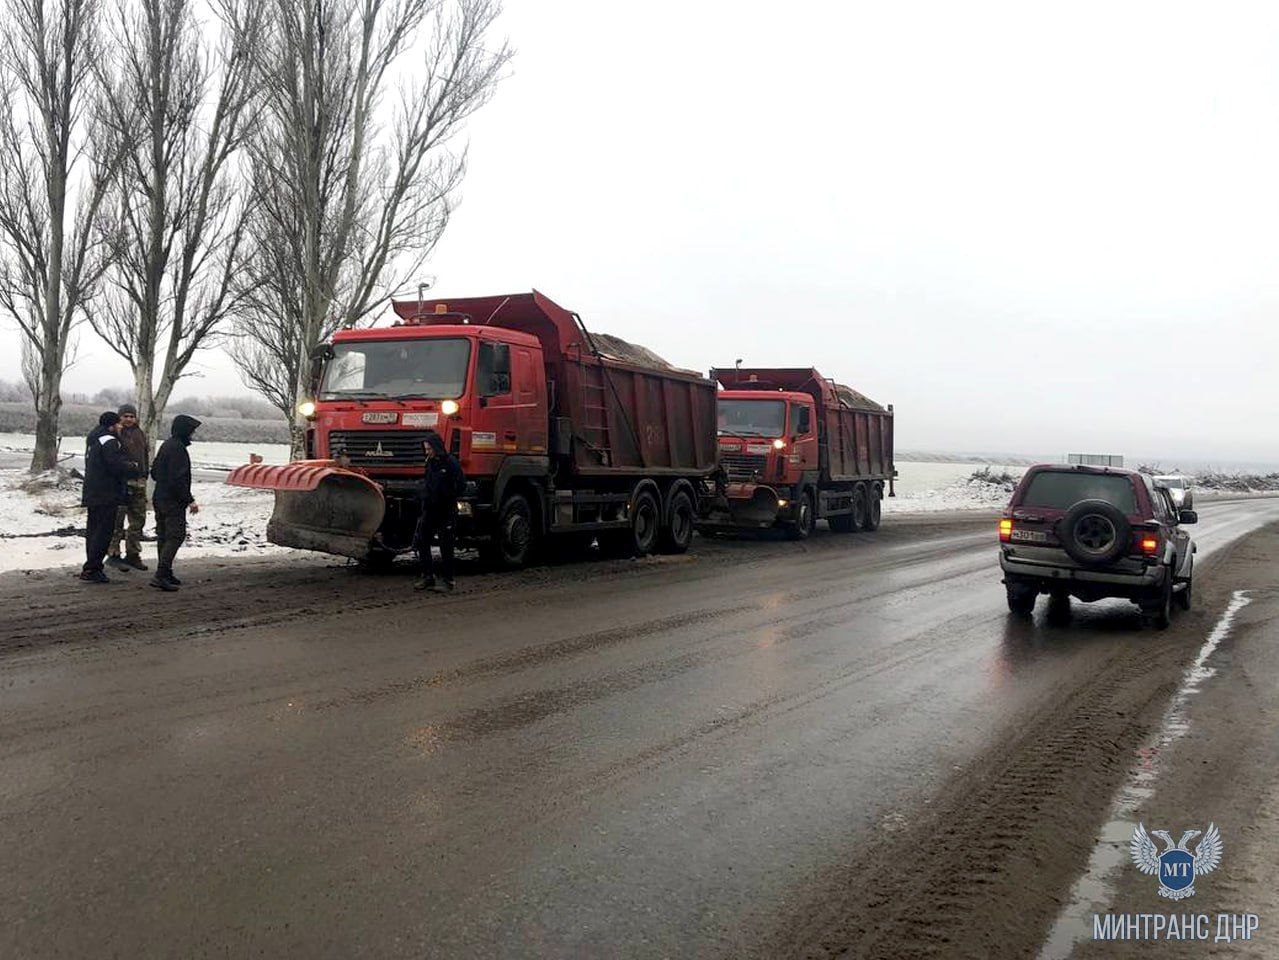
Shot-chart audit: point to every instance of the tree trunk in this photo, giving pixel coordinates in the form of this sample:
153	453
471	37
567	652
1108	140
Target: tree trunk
48	408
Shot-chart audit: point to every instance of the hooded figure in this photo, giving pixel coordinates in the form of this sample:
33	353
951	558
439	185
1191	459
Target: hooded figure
107	469
442	483
171	471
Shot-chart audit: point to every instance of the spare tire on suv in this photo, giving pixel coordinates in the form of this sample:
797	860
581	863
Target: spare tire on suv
1094	532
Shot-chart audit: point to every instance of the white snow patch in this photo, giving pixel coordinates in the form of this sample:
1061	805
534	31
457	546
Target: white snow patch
42	522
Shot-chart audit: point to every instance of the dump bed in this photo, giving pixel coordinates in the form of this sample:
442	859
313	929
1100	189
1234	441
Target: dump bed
855	432
615	409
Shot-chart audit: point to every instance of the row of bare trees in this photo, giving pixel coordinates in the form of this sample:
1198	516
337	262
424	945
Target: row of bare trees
251	174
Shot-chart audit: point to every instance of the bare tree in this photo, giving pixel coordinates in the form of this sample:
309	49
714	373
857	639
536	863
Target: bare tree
56	159
176	223
350	195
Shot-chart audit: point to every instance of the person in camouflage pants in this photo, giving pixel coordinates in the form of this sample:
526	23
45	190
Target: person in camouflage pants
134	512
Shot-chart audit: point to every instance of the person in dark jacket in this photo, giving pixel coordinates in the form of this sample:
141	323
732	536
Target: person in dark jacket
107	470
442	484
171	471
138	449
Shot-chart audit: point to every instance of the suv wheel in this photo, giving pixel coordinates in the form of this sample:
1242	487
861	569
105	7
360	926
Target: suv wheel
1184	599
1158	610
1021	598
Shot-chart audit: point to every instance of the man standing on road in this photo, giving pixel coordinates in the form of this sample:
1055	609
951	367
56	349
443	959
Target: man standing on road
172	498
107	470
441	486
138	449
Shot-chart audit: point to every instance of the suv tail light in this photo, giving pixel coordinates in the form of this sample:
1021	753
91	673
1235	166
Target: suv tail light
1005	530
1146	542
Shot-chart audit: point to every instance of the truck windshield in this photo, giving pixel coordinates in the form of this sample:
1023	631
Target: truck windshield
753	418
1061	490
434	368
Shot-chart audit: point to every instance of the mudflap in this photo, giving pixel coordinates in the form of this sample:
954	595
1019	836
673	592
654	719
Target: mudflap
319	505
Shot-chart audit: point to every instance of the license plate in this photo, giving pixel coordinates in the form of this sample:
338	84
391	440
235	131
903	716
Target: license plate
421	419
1030	536
380	416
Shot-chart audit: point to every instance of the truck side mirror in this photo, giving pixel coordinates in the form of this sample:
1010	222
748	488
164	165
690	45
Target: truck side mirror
1187	516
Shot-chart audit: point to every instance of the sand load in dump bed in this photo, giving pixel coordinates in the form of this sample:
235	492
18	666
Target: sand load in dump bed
615	348
854	400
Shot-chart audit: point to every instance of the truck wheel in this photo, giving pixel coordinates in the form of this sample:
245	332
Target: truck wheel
646	523
678	534
802	527
874	508
861	507
512	541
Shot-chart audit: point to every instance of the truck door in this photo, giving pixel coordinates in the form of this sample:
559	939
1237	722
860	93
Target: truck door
529	388
494	431
803	430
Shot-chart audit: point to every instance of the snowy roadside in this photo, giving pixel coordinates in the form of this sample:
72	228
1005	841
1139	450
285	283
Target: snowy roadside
42	522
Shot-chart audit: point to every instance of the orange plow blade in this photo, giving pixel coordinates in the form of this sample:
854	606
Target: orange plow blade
318	505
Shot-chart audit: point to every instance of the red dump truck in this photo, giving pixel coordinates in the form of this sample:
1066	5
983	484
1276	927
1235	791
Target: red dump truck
560	433
795	447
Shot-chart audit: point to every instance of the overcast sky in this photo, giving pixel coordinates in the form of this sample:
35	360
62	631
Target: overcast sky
1031	227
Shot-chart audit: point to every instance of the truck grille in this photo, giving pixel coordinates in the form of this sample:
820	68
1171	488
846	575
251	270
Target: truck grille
379	448
743	466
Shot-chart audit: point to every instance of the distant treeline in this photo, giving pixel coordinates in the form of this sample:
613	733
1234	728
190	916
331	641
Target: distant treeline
247	407
79	418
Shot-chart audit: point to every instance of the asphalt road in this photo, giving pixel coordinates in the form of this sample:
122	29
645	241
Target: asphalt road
762	748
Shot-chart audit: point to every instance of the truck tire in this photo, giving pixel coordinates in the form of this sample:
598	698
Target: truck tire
677	533
874	507
514	535
861	507
640	539
801	528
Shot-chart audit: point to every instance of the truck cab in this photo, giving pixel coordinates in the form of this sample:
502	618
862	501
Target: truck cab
795	447
767	438
482	389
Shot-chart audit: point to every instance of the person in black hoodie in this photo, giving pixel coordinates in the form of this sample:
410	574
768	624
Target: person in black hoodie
107	470
442	484
171	471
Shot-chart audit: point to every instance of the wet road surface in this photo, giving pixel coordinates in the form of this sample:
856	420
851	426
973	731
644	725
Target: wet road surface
736	752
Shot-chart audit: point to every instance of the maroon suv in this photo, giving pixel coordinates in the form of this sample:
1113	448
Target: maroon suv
1095	532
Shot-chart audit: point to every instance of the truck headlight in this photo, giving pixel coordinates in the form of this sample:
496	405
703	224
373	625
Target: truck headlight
449	407
307	409
463	508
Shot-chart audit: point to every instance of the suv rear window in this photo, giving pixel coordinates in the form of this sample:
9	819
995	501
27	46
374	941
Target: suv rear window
1061	490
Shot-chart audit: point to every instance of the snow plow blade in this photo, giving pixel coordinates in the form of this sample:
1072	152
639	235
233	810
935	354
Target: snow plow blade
318	505
751	505
742	506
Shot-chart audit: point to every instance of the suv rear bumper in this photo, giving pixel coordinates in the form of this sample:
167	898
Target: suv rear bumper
1083	581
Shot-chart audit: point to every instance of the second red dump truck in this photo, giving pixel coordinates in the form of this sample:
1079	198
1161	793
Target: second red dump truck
563	435
796	447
